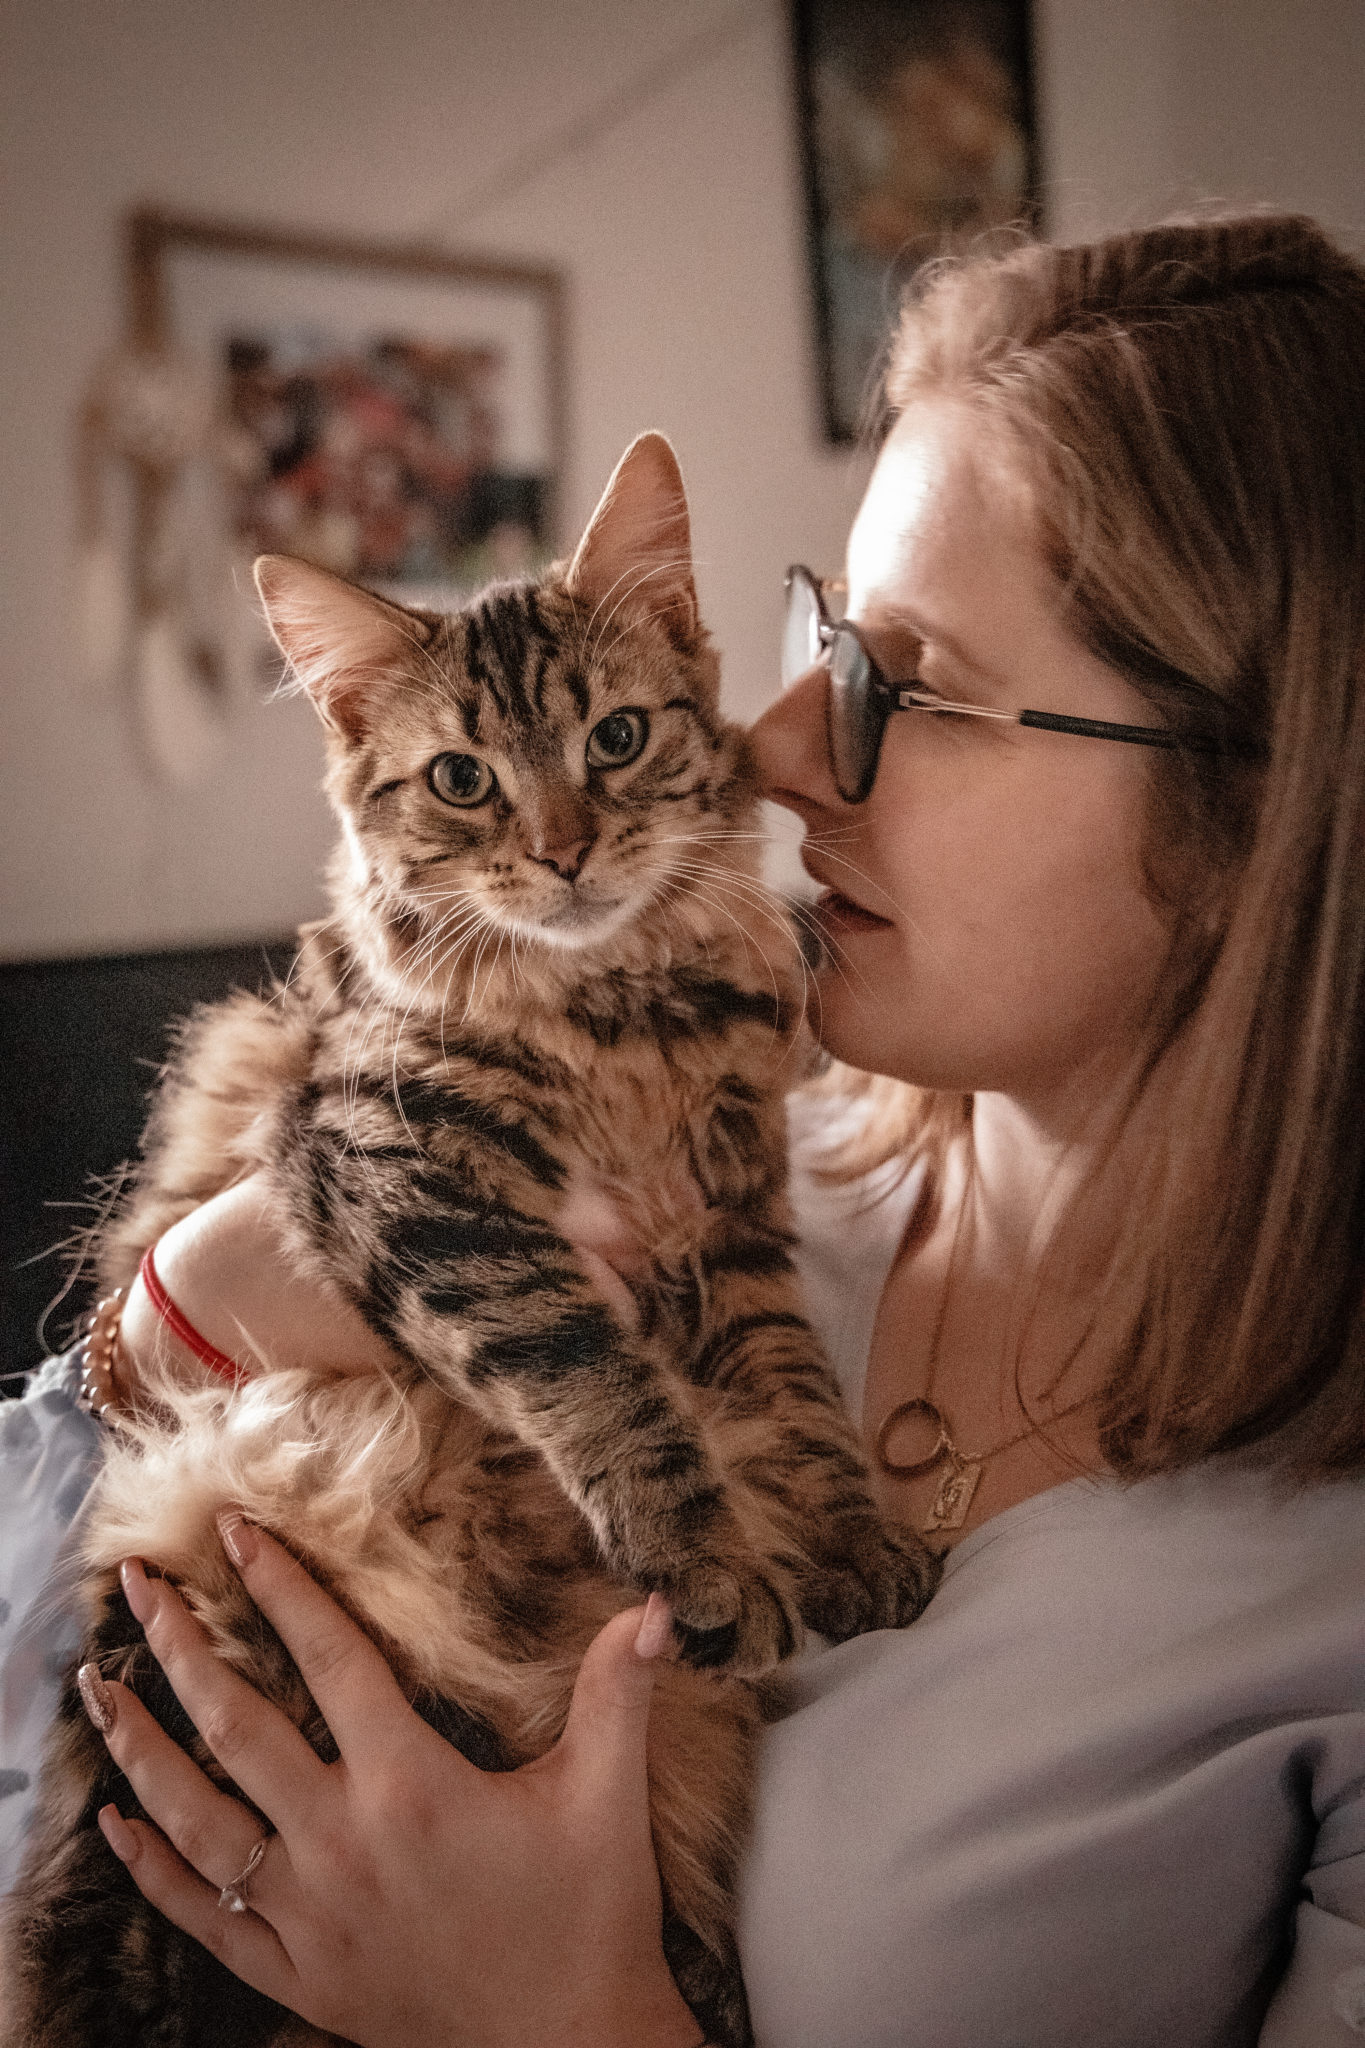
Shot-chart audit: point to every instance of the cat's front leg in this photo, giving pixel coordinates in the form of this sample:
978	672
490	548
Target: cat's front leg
497	1307
775	1415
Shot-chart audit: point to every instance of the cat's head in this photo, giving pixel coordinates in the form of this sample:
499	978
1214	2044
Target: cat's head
543	764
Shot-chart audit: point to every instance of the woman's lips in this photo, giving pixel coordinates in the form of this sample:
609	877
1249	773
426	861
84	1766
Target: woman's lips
837	913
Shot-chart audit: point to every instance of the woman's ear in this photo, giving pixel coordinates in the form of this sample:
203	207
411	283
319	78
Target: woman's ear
342	643
637	551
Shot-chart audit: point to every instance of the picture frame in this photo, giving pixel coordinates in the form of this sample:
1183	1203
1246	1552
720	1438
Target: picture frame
394	412
918	133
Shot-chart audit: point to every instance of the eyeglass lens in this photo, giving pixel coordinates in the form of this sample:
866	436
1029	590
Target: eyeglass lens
856	714
856	718
801	648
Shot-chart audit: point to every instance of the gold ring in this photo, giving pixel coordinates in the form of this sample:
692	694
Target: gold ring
230	1897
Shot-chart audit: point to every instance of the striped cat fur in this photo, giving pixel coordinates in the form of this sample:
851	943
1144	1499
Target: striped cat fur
521	1102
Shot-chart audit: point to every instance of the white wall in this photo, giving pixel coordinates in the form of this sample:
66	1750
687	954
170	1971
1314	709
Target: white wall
681	234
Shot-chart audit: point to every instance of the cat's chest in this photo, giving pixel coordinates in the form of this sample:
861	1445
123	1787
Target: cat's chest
634	1143
624	1121
626	1148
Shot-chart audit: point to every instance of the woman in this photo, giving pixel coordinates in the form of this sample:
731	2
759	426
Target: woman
1108	1788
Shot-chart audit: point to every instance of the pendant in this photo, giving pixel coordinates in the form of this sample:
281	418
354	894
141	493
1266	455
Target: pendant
954	1495
921	1416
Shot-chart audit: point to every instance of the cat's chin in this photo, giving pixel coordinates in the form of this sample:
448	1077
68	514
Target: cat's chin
577	927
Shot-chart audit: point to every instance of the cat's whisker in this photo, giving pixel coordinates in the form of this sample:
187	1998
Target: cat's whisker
782	915
692	886
746	886
451	937
467	935
324	955
435	939
351	1092
484	939
902	915
637	620
711	901
492	969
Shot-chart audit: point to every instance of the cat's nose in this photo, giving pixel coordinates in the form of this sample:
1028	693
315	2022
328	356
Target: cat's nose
566	860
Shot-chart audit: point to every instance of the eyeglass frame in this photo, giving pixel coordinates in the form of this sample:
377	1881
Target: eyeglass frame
887	697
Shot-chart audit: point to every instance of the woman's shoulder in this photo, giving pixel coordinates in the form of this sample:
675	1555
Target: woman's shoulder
1221	1538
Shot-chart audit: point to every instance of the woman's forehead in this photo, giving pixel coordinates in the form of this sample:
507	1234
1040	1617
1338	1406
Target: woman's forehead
944	530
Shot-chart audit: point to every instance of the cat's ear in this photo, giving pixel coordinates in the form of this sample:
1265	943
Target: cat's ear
638	546
343	644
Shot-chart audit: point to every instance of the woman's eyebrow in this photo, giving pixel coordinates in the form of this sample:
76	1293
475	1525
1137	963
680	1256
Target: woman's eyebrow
887	616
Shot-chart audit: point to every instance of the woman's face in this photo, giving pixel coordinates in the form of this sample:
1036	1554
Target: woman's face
984	910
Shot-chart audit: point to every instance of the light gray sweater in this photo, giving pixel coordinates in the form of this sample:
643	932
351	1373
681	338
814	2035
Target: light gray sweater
1108	1791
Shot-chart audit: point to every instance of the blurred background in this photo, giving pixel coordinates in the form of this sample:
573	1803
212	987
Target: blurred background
629	215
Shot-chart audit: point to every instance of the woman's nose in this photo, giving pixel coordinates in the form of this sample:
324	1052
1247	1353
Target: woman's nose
791	746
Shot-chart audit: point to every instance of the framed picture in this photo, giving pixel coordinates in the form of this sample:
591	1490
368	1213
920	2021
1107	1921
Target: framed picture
917	132
392	413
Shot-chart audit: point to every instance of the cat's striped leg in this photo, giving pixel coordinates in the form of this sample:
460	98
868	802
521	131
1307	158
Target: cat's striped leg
790	1451
500	1308
497	1307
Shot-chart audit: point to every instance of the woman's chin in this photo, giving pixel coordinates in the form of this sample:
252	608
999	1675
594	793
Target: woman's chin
838	1009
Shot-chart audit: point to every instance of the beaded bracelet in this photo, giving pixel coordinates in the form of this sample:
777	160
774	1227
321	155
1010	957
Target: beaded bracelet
98	1394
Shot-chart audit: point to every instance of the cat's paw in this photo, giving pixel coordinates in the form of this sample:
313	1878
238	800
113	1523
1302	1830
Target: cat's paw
874	1578
727	1612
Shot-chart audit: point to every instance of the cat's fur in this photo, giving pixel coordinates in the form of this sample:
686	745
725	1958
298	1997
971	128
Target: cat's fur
568	1002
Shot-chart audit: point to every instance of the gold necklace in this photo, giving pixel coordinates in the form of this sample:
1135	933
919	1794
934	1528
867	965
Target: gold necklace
963	1468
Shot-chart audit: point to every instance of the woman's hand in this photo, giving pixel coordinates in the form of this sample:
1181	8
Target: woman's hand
404	1897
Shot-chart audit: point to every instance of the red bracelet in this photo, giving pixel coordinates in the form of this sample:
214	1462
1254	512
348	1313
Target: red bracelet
180	1326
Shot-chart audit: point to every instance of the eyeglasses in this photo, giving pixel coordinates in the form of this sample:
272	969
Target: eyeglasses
860	699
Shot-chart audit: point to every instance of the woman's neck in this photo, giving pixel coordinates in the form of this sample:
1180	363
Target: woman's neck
994	1310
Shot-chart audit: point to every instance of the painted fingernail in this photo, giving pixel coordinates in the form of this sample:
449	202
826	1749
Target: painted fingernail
656	1630
96	1697
239	1536
118	1834
138	1589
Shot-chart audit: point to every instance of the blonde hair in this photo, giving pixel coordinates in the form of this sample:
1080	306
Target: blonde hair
1188	405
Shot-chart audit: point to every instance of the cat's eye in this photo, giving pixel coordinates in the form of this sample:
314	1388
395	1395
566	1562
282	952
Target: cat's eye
461	779
617	739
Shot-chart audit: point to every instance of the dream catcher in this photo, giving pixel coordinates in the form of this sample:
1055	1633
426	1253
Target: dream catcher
165	616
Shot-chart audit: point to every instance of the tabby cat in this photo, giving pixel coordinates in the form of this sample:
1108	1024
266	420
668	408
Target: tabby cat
551	991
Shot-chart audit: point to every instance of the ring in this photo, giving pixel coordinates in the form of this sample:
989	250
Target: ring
230	1897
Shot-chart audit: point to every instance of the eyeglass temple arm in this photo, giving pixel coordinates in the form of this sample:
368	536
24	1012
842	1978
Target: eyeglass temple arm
1144	735
1085	728
1105	729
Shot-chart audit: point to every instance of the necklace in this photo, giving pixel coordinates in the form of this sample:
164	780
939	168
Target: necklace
962	1469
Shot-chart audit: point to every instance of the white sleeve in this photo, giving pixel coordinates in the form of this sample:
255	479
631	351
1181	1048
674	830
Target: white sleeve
1320	2001
48	1454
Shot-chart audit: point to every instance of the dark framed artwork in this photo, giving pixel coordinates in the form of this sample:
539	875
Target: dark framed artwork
393	413
918	132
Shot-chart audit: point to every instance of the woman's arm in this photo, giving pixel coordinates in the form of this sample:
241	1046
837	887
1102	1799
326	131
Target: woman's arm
405	1899
225	1269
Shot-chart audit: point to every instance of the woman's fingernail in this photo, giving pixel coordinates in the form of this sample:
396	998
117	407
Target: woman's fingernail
138	1589
117	1833
239	1537
96	1696
656	1630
